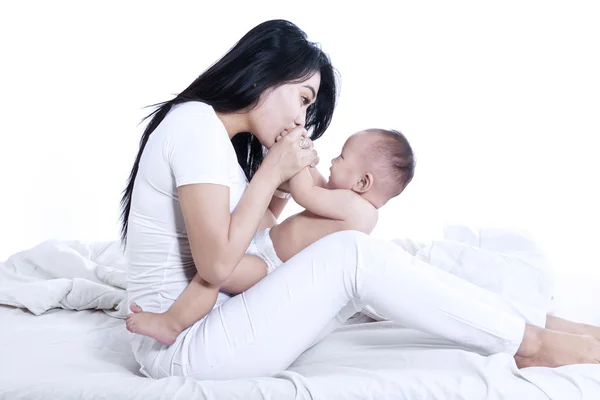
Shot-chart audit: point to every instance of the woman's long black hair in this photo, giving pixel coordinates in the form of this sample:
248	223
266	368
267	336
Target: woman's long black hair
271	54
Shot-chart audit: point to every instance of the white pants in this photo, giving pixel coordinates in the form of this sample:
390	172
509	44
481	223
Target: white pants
262	331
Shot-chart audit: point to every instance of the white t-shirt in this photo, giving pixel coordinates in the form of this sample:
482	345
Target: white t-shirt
189	146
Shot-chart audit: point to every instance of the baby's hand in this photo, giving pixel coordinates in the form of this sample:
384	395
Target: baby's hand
285	132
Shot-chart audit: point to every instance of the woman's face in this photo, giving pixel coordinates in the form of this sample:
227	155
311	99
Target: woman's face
283	108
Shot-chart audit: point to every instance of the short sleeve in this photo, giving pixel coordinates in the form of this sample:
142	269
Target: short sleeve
197	146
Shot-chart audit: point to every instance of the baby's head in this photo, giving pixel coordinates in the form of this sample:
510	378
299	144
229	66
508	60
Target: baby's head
375	163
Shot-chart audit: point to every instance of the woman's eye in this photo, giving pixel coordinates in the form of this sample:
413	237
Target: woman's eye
305	101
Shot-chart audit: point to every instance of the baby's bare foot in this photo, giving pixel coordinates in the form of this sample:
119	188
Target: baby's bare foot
558	348
157	326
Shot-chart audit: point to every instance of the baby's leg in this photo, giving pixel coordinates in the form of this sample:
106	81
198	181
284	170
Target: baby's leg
195	302
249	271
198	298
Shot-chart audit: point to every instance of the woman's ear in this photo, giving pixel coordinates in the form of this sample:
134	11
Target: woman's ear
364	184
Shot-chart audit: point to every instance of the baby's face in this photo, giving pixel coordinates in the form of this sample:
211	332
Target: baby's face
350	166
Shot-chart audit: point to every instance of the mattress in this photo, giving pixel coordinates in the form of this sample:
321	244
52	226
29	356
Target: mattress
66	354
69	352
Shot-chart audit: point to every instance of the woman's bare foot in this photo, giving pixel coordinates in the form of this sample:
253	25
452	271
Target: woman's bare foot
547	348
157	326
563	325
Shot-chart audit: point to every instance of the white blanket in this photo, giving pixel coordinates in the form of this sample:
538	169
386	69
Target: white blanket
78	276
68	275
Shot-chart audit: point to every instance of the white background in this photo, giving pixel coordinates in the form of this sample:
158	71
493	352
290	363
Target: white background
501	102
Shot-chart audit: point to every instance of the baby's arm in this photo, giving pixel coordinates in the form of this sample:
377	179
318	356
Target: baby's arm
338	204
318	179
301	183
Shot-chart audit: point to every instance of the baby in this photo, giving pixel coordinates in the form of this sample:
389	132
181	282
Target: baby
374	166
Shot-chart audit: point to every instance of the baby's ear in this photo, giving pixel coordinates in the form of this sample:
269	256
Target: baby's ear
364	184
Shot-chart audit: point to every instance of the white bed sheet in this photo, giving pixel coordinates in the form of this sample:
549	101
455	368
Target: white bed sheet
85	355
65	354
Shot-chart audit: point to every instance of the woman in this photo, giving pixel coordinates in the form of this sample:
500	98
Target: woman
199	190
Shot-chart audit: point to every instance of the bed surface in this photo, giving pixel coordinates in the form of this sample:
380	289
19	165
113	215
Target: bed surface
66	354
85	355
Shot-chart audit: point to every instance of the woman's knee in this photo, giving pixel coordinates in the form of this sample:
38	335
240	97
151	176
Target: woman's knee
343	244
345	239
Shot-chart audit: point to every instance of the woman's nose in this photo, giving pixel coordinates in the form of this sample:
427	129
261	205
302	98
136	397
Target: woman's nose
301	118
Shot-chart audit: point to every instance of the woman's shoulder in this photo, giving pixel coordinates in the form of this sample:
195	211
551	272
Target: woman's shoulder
194	118
194	110
193	129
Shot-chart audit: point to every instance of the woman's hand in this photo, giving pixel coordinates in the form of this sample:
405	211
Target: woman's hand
306	140
285	186
292	152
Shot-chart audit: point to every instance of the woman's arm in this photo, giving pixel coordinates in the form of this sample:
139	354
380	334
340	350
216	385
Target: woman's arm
217	238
